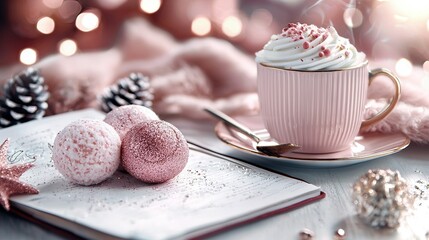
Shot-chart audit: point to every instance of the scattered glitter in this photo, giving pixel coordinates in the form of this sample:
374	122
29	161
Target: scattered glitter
421	191
340	234
9	178
306	234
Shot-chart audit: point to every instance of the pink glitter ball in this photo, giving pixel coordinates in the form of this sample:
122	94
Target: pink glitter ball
154	151
87	152
123	118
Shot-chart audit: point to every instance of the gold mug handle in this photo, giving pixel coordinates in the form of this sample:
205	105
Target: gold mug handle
388	109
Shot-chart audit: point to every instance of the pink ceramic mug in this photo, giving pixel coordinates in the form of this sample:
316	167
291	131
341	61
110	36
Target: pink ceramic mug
320	111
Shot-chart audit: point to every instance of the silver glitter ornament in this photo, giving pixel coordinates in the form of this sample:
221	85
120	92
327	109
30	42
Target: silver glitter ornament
382	198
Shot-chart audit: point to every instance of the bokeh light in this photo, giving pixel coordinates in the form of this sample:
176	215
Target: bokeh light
426	66
150	6
110	4
232	26
382	49
201	26
69	10
416	9
262	16
67	47
45	25
404	67
400	18
28	56
353	17
221	9
293	3
53	3
87	21
425	83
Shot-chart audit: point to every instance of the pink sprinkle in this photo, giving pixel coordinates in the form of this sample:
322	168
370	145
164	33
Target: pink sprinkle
325	36
347	53
302	31
321	54
306	45
327	52
322	48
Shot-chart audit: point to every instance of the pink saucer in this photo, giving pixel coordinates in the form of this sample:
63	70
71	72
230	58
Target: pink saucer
366	147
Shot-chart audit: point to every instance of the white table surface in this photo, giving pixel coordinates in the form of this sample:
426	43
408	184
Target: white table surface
323	217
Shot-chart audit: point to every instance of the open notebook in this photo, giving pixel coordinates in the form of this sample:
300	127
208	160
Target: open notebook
211	194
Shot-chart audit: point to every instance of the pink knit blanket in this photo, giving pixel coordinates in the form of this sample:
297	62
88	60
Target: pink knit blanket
411	115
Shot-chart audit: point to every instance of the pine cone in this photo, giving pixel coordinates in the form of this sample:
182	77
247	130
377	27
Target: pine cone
24	99
134	89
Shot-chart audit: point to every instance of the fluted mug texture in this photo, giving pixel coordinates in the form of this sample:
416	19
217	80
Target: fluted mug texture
322	111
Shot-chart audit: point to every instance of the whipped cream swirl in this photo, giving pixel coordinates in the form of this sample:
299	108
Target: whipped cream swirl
309	48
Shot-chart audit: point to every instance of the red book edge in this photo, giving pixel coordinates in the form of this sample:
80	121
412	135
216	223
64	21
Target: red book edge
261	217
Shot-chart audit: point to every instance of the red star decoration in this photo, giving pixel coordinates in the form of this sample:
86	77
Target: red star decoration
9	178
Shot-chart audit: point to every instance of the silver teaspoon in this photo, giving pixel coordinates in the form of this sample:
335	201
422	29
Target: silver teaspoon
267	147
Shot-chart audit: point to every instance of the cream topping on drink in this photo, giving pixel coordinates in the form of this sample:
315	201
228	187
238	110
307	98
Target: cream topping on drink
309	48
